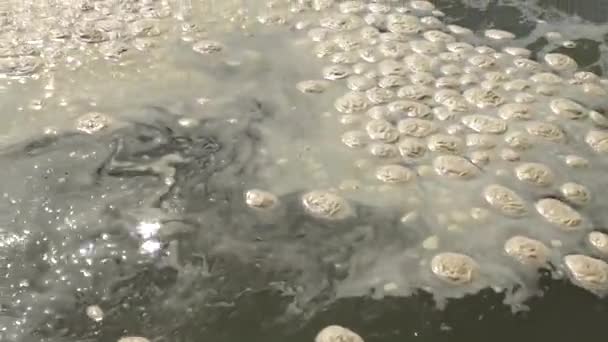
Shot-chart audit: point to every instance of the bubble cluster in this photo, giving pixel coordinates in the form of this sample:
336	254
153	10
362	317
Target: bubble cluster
426	105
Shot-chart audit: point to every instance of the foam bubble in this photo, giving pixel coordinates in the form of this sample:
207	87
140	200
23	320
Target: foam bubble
454	268
587	272
326	205
559	213
335	333
505	200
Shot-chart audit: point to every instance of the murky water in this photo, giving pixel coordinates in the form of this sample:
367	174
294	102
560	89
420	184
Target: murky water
228	170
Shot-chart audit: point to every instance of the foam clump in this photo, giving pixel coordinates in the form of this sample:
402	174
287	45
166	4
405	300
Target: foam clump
454	268
336	333
260	199
133	339
587	272
326	205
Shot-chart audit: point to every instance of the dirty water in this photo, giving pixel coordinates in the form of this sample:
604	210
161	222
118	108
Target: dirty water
222	170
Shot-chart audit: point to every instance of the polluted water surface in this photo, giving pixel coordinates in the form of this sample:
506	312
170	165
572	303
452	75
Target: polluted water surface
309	170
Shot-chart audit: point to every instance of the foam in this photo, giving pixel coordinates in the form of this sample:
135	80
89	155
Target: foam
148	219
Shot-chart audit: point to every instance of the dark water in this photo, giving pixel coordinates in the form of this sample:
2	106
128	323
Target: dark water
144	298
223	294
